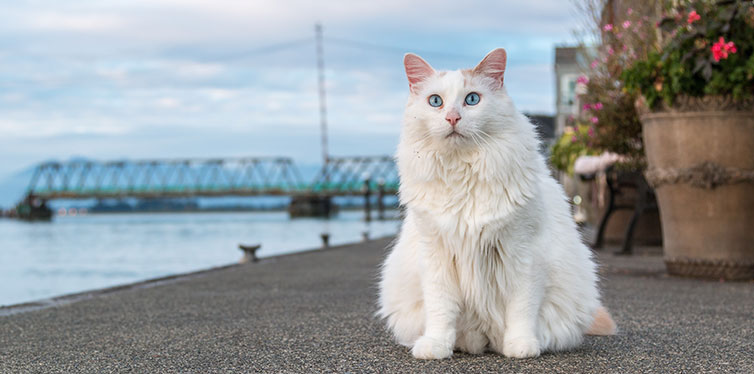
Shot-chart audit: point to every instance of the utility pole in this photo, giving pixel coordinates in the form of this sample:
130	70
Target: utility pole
322	101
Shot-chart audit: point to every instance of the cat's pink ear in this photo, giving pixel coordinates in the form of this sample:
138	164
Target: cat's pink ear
493	66
417	69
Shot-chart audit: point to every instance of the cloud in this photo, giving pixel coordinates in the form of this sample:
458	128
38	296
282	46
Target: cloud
167	103
145	24
92	22
107	75
51	127
220	94
194	70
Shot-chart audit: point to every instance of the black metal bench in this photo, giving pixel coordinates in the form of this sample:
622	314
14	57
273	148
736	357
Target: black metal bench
618	184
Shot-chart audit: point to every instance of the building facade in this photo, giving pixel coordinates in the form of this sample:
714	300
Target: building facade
568	68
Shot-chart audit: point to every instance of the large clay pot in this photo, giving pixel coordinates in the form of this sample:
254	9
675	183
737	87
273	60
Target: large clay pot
701	164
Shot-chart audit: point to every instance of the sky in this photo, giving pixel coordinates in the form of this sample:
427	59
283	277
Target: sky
135	79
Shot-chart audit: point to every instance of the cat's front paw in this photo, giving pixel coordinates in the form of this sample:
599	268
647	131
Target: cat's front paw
521	347
427	348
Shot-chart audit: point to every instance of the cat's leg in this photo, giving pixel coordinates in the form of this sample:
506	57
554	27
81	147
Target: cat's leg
521	318
572	300
442	301
401	302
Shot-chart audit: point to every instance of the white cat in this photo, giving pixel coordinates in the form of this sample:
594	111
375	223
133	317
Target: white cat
488	255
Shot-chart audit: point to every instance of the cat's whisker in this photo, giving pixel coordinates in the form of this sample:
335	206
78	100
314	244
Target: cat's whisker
485	138
480	140
476	140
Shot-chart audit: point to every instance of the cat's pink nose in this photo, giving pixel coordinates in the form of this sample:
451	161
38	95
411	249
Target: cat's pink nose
453	117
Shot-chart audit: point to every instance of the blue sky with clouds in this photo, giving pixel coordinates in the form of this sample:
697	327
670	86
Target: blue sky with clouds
113	79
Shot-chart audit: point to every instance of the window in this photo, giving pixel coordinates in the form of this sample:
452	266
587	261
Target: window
568	89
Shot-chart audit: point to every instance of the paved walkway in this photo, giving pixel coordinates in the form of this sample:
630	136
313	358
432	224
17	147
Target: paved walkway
313	313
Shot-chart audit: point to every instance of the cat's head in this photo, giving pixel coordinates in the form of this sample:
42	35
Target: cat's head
456	109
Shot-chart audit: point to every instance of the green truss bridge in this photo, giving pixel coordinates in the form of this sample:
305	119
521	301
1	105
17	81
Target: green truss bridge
177	178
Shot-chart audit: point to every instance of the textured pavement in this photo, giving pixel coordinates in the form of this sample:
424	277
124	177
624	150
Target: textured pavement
314	313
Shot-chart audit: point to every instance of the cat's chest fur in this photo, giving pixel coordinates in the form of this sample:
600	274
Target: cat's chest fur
463	208
461	195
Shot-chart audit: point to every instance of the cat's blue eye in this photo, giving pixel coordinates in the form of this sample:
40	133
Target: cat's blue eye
435	101
472	98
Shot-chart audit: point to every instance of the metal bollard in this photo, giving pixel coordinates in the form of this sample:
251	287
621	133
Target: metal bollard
325	239
249	253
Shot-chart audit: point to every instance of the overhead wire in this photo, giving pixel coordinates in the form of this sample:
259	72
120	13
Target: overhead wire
396	49
346	42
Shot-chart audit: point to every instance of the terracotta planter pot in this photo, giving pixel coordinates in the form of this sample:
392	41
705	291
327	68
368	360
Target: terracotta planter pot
701	164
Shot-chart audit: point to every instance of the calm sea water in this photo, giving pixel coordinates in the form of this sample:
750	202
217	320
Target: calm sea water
73	254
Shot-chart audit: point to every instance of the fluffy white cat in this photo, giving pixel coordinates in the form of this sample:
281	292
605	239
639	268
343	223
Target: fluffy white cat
488	255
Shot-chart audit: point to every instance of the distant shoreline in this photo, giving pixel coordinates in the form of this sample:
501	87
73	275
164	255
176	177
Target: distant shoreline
186	207
349	208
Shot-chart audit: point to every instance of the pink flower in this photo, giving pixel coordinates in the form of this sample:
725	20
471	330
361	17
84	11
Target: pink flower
597	106
693	17
582	79
608	27
595	120
610	51
574	139
594	64
626	24
586	107
721	49
630	11
591	132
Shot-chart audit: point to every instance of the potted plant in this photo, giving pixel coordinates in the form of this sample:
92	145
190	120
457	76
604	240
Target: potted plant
607	123
697	113
577	140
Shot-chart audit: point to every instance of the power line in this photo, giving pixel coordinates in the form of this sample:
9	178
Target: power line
396	49
278	47
265	50
364	45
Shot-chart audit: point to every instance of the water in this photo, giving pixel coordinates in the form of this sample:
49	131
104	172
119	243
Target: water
73	254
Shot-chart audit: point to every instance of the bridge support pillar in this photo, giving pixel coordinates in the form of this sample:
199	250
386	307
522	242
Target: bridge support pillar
33	208
367	200
311	206
381	200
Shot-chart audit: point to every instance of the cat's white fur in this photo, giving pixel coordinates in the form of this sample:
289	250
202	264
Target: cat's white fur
488	255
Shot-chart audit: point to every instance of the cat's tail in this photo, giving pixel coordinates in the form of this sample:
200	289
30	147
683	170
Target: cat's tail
603	324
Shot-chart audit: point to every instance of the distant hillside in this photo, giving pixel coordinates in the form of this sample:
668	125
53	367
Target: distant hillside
13	187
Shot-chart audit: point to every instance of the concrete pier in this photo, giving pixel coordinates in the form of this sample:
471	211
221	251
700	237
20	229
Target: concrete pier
314	313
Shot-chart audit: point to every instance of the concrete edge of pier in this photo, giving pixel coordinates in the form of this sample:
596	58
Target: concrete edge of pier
51	302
